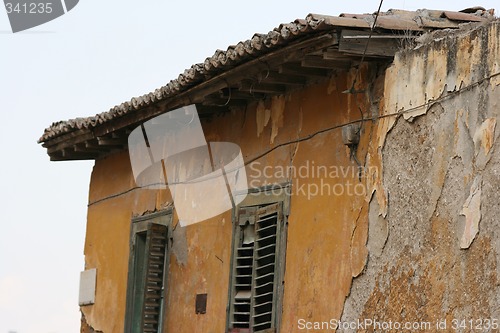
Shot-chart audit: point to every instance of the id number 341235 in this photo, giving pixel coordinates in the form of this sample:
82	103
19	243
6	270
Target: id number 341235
29	8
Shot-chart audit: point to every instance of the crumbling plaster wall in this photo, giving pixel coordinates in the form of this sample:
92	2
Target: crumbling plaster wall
436	254
402	241
327	232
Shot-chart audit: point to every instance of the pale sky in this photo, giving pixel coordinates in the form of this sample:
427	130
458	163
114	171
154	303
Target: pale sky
98	55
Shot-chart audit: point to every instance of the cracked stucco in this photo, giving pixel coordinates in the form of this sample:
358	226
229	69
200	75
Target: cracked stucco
436	254
179	244
86	328
472	212
394	252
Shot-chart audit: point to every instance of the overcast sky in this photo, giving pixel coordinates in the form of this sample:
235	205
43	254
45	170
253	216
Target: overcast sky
98	55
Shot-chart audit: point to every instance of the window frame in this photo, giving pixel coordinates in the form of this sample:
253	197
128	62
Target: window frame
259	198
140	225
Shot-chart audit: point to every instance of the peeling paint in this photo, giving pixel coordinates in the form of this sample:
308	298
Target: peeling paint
359	252
179	244
332	86
472	212
374	181
485	136
390	253
378	230
277	115
440	169
263	115
85	327
463	144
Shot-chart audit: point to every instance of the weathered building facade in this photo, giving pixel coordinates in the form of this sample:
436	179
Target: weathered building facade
371	155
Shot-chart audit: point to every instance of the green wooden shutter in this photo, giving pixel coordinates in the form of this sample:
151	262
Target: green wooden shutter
147	272
153	282
241	277
137	288
255	277
265	274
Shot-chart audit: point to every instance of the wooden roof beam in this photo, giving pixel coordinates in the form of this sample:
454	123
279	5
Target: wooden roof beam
291	80
83	147
266	88
230	77
298	69
212	109
319	62
335	54
236	94
379	45
106	141
69	153
216	100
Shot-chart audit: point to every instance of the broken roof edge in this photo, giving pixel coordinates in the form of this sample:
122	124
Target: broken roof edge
235	55
260	45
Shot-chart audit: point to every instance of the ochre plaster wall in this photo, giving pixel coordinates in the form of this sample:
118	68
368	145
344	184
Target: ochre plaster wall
327	230
349	255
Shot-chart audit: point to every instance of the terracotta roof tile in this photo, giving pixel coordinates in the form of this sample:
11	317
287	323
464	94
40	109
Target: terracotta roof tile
261	44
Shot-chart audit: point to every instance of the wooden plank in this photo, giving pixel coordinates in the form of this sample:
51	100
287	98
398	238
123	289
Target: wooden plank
120	134
68	139
297	69
103	141
319	62
71	141
58	158
374	36
286	79
70	153
84	148
354	42
240	95
334	54
250	86
211	109
218	101
92	144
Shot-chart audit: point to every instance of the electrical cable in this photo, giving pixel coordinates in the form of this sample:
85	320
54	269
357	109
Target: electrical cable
366	47
325	130
352	90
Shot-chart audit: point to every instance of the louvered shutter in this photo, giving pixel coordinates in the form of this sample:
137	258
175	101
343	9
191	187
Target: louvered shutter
242	274
156	243
265	277
255	277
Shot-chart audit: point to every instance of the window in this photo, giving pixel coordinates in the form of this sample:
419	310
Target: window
148	265
256	284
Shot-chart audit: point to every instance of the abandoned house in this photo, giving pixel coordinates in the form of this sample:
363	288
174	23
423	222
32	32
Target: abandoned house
368	191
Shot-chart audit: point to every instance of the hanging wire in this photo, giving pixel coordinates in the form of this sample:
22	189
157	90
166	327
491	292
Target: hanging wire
228	98
230	94
325	130
351	90
353	148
